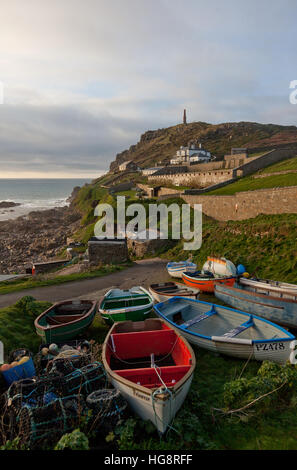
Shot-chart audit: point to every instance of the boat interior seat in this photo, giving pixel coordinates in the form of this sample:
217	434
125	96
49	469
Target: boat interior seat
59	319
147	377
199	318
239	329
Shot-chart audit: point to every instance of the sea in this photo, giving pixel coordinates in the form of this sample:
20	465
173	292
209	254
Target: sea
36	194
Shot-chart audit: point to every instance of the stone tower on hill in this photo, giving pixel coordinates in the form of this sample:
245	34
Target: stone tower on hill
185	117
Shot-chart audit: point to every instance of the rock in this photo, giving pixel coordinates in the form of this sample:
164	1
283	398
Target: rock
6	204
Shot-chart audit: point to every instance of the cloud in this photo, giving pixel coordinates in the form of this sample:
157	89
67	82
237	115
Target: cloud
82	81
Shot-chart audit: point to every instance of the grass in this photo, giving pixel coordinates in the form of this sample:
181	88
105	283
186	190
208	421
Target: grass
248	183
266	244
40	281
285	165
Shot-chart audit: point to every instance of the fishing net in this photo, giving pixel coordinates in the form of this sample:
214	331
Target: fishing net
51	421
86	379
34	392
108	406
69	357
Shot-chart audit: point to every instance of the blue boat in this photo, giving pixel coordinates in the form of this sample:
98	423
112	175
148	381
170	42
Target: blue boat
226	330
177	268
280	310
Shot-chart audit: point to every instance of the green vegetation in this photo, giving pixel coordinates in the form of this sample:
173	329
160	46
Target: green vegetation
266	244
42	281
248	183
75	440
17	324
222	384
285	165
232	403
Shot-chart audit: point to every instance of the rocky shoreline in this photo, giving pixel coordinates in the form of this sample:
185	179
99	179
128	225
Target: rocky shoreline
35	237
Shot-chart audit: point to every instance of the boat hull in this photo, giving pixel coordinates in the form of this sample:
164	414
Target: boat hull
277	289
280	311
277	348
154	393
189	293
177	269
206	284
124	308
159	411
125	315
65	332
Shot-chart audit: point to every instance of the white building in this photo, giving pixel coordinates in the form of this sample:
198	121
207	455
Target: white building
191	154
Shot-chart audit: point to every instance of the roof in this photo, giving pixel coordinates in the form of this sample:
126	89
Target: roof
171	170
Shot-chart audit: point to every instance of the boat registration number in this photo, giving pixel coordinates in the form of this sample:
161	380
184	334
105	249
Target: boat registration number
270	346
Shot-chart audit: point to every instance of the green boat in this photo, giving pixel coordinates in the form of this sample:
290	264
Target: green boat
65	320
122	305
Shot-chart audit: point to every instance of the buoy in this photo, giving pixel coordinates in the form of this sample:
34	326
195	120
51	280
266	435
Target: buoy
23	359
240	269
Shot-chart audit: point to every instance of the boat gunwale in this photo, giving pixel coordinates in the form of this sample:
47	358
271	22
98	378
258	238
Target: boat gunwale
216	277
190	290
134	308
269	287
253	341
42	328
264	296
146	391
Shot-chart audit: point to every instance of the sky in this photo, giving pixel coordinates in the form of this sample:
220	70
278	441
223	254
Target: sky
81	81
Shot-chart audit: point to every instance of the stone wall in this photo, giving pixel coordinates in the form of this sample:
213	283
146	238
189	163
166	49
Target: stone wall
106	252
193	179
265	160
247	204
140	248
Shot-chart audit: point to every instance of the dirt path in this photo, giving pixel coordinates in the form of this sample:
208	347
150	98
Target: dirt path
143	273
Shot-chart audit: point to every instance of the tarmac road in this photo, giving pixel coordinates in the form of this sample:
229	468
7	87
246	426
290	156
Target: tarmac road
142	273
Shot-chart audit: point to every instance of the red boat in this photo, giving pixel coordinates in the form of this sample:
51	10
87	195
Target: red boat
206	282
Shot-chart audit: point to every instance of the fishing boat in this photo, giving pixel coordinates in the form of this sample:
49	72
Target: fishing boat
226	330
269	287
152	366
205	281
65	320
220	266
166	290
280	310
130	304
177	268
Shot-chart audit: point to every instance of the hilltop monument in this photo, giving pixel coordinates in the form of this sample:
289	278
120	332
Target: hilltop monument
185	117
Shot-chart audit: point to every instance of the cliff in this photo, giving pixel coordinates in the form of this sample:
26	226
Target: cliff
160	145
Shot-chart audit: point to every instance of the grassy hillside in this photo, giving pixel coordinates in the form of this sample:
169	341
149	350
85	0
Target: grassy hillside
159	145
248	183
285	165
266	244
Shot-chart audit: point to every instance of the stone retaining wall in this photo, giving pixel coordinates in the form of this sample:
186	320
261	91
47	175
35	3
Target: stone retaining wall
247	204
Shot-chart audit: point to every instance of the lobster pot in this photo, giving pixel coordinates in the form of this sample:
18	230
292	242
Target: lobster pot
66	365
107	405
34	392
50	422
85	380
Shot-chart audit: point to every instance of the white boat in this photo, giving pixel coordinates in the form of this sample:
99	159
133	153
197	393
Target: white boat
219	266
177	268
166	290
152	366
269	287
226	330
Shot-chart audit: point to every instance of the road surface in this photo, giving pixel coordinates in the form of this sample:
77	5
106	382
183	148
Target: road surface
142	273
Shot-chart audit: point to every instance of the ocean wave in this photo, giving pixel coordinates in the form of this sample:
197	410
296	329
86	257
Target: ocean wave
42	203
